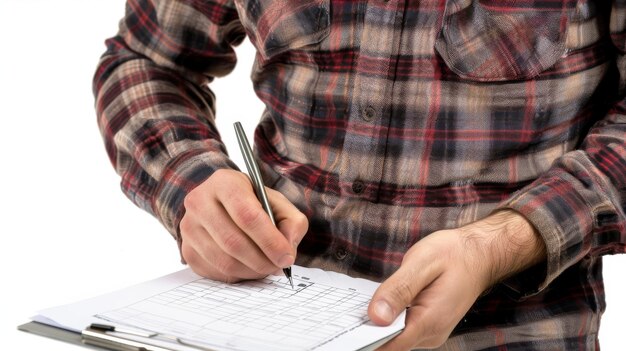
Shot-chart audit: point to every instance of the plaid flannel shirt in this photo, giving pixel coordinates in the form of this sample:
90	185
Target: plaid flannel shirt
387	120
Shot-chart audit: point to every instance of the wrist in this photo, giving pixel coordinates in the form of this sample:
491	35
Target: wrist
503	244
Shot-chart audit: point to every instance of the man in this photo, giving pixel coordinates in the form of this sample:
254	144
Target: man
469	154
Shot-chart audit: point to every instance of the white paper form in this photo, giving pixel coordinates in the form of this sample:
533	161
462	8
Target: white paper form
325	311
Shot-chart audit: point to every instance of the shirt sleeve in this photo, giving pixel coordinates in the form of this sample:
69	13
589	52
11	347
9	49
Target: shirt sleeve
578	205
154	108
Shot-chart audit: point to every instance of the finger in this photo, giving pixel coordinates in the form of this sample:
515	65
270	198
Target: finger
235	243
290	221
206	258
249	216
199	265
206	270
410	336
399	290
222	268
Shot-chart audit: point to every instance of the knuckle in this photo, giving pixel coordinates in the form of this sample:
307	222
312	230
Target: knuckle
302	222
233	244
270	246
185	226
250	217
219	183
219	175
402	291
190	202
226	266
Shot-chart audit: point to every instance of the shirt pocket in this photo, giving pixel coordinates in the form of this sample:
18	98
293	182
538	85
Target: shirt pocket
277	26
500	40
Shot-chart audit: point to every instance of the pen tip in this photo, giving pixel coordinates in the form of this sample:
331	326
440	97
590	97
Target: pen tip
291	282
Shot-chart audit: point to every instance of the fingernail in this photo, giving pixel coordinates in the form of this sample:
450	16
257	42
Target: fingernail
285	261
383	310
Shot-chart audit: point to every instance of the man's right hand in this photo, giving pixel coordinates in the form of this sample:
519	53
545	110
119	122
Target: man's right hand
227	235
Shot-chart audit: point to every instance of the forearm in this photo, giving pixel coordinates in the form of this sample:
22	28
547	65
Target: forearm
577	206
155	111
158	136
502	245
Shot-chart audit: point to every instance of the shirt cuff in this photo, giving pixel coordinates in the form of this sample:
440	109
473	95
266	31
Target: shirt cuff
560	214
183	174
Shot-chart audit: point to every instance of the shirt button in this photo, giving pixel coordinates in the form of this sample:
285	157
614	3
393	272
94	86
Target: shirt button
358	187
341	253
369	113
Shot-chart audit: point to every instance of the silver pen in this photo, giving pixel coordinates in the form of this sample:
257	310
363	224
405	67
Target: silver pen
257	181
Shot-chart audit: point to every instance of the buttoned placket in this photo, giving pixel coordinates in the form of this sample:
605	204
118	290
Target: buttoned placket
363	156
361	166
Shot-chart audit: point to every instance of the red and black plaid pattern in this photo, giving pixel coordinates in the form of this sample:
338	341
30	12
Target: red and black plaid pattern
388	120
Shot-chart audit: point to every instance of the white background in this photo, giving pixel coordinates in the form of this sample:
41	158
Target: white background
68	232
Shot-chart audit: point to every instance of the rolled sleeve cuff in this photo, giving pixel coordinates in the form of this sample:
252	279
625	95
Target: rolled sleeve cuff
182	175
562	217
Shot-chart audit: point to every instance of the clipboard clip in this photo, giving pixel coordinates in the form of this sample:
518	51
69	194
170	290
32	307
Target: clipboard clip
102	335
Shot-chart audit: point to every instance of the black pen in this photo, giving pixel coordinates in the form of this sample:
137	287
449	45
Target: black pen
257	181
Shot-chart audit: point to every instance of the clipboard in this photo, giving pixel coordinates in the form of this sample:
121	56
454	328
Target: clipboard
79	339
82	321
95	338
56	334
90	338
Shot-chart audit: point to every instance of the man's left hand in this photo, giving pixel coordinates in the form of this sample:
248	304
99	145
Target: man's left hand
443	274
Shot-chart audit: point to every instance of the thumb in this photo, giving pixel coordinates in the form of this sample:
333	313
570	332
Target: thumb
396	294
